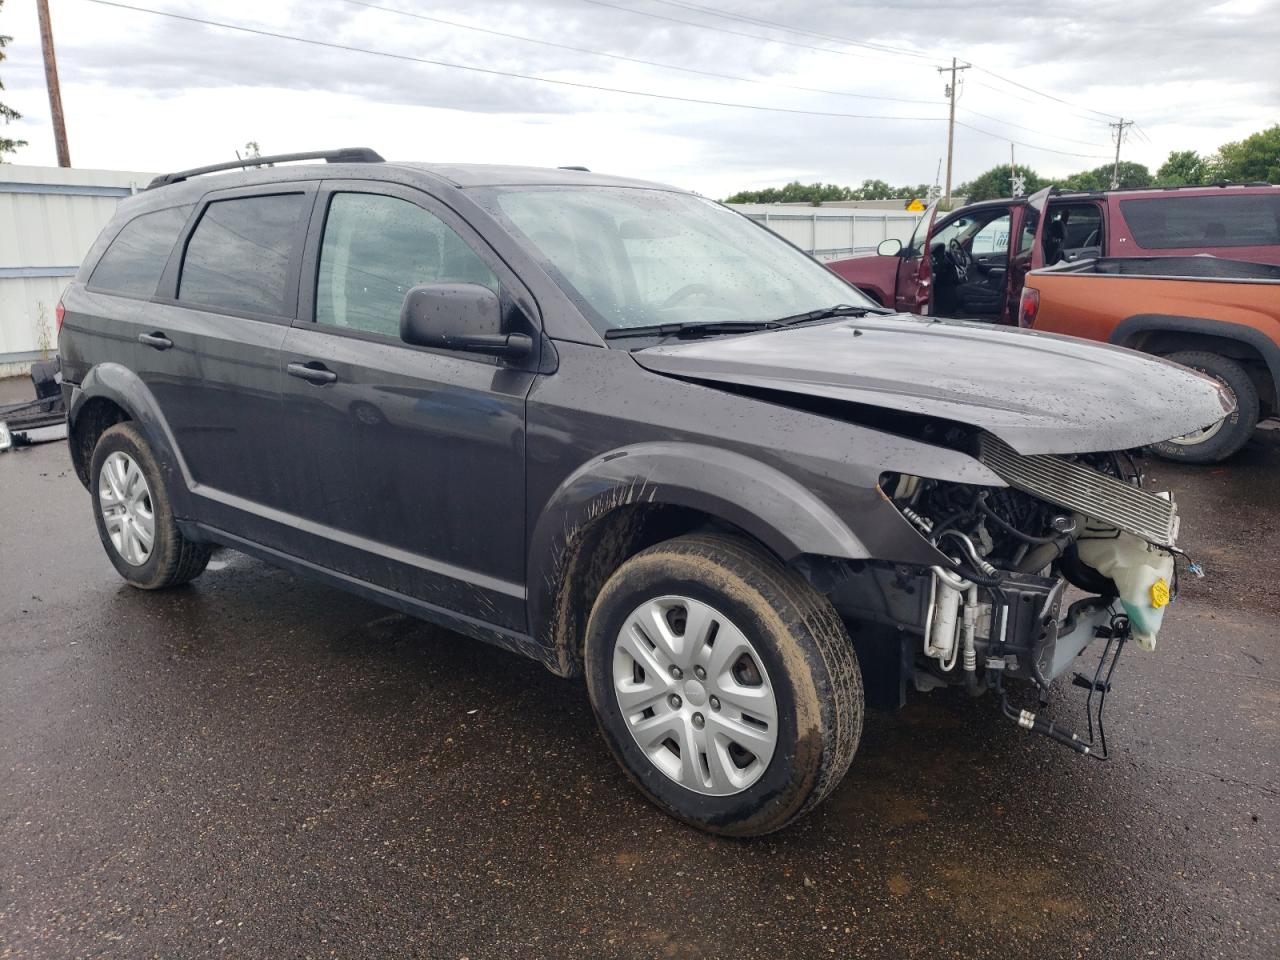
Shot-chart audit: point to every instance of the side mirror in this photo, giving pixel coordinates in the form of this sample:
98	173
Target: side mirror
459	316
889	248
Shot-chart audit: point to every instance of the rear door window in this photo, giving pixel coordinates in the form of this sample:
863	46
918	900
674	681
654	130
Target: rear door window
136	258
375	249
1239	220
239	255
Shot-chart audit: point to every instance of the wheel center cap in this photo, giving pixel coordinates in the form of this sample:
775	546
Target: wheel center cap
695	692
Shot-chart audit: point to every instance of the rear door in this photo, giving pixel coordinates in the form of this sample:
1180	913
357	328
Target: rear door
210	346
406	463
1025	251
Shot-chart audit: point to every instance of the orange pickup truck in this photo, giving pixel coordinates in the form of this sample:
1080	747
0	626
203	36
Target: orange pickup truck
1221	317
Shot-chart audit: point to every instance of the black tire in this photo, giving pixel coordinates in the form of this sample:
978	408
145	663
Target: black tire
173	559
1235	430
802	645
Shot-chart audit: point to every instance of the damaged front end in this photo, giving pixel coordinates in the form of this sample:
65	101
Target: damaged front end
999	605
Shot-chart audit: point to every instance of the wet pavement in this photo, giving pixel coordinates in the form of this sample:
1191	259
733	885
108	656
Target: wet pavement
260	766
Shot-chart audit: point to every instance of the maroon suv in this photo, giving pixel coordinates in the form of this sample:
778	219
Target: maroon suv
965	264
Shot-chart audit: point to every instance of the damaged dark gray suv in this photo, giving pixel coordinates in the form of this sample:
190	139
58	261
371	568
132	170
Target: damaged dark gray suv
624	431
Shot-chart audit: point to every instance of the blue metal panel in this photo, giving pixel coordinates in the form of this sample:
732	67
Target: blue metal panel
26	273
65	189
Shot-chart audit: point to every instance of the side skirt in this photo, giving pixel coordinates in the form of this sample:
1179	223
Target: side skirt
520	643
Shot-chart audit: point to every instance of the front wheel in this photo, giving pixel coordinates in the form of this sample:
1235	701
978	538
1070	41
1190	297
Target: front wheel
724	684
1219	440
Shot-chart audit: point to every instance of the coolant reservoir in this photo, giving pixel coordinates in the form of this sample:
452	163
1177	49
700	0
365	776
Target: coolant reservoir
1141	573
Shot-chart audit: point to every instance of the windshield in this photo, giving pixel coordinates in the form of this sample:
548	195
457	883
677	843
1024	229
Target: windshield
634	257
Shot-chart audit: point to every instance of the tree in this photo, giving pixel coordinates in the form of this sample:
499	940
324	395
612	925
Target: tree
995	183
7	114
1132	176
819	193
1253	158
1184	168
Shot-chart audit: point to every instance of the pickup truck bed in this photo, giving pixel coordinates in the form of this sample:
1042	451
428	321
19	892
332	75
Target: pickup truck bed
1219	316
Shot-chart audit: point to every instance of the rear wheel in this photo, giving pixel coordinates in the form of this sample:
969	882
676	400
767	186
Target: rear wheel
134	515
1219	440
724	684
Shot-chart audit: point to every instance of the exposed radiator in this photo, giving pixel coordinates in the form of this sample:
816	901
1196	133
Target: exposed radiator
1083	489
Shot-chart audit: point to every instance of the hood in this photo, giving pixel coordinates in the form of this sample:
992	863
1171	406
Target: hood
1039	393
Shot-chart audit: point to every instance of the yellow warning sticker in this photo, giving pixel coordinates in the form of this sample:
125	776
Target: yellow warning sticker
1160	593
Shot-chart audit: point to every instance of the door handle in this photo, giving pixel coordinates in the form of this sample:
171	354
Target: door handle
313	372
156	340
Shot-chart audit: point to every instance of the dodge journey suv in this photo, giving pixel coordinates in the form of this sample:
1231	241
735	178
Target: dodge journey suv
622	430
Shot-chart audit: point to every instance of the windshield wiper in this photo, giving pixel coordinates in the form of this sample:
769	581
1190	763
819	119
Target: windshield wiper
827	313
690	331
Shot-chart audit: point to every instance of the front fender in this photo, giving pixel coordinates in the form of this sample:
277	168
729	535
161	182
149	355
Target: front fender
119	385
757	498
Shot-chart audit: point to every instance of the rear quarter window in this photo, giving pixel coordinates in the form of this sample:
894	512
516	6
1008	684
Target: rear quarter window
136	258
1239	220
239	254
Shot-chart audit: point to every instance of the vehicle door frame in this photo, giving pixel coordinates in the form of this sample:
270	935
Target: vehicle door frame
516	296
171	278
1023	262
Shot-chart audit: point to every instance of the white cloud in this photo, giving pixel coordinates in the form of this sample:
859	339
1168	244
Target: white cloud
144	92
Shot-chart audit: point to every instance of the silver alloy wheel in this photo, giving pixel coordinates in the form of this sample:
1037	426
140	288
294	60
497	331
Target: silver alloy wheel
125	501
695	695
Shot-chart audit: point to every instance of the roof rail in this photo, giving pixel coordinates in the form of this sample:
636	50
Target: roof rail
343	155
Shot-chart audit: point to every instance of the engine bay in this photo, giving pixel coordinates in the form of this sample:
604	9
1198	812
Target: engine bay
1072	550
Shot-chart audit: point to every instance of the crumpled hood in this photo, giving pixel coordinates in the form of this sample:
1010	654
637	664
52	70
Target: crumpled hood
1039	393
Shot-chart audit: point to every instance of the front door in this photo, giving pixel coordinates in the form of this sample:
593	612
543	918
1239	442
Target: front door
915	270
406	463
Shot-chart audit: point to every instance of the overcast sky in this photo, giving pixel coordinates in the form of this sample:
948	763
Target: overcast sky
144	92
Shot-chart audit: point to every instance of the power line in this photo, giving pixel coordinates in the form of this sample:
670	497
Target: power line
1018	126
600	88
885	48
805	46
1029	146
760	21
1049	96
627	59
1034	103
491	71
734	33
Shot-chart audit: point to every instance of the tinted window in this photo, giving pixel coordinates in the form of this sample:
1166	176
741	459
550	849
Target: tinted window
374	250
133	263
238	257
1240	220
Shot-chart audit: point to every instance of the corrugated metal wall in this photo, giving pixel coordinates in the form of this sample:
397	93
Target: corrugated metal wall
49	217
830	233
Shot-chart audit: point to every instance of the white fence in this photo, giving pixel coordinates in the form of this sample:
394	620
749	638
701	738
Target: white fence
49	217
830	233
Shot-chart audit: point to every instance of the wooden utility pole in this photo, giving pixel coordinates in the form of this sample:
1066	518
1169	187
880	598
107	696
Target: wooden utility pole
51	81
1118	127
951	122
